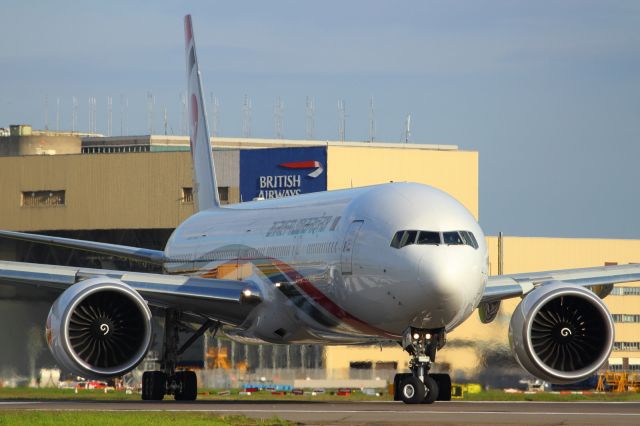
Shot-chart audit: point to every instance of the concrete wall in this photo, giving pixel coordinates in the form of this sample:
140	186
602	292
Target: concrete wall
39	145
105	191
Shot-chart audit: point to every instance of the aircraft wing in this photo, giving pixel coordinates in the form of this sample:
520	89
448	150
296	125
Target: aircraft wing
599	279
226	301
141	254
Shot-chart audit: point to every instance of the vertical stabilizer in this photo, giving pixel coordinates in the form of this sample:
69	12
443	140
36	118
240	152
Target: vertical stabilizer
205	187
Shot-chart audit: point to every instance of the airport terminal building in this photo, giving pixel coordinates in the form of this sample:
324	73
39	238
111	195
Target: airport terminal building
135	190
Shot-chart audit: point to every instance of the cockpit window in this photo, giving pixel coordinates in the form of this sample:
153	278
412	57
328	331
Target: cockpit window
409	237
452	238
469	239
405	238
429	237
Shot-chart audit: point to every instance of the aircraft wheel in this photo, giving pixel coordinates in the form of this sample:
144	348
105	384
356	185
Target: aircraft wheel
444	386
397	380
187	386
431	389
154	385
412	391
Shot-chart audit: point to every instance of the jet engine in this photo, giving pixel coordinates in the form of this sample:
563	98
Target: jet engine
561	333
99	328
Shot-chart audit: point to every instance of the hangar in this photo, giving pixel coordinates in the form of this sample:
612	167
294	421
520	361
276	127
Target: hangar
134	190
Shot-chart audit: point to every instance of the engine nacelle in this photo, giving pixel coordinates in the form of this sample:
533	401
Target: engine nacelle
99	328
561	333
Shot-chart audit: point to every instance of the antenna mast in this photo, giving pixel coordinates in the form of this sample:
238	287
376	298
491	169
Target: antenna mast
74	113
46	112
151	100
278	113
165	120
58	114
246	117
215	111
342	120
310	124
92	114
407	133
109	115
372	121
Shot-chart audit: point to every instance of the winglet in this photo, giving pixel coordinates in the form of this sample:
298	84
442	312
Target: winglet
205	187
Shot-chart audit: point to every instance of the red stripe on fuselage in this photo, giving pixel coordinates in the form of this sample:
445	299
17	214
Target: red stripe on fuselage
329	305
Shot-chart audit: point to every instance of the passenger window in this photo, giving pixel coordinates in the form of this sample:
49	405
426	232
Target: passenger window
429	237
452	238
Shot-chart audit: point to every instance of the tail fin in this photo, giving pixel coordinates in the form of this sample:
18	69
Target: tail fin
205	187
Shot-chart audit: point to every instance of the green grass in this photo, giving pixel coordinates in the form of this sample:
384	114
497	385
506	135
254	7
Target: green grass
101	418
498	395
17	394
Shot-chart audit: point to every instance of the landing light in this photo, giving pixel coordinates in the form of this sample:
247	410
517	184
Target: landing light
427	336
416	336
247	293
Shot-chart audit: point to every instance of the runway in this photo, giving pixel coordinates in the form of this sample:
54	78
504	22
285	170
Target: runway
477	413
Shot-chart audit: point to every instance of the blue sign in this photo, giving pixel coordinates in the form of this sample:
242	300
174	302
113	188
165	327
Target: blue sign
282	172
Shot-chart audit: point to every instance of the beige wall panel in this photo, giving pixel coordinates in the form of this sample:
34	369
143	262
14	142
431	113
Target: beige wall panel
339	357
627	332
102	191
624	304
455	172
523	254
105	191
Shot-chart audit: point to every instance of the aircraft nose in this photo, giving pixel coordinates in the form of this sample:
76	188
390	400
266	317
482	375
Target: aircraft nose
450	278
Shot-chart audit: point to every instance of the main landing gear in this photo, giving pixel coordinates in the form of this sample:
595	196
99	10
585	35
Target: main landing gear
420	387
183	385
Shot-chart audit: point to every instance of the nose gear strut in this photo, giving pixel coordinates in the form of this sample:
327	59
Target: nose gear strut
419	386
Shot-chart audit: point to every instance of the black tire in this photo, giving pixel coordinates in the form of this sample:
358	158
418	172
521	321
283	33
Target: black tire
431	390
154	384
412	390
444	386
397	380
187	386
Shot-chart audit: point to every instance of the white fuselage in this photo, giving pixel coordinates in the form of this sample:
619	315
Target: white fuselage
326	266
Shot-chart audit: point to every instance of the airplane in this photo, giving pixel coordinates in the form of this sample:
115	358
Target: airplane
397	262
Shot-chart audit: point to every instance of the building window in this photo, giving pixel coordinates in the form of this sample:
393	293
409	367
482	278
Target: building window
187	196
625	291
626	346
626	318
42	198
223	193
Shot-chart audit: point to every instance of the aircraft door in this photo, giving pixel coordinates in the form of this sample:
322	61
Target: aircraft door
348	245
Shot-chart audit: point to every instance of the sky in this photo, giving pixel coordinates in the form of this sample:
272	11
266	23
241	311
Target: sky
548	92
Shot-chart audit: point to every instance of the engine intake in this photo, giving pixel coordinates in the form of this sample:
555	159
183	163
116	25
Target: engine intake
561	333
99	328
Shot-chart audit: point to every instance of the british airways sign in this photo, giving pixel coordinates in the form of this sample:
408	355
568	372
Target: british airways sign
282	172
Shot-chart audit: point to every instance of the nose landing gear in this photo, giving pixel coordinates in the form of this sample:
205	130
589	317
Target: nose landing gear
419	387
